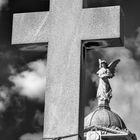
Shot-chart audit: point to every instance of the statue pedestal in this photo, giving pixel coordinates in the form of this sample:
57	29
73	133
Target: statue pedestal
103	104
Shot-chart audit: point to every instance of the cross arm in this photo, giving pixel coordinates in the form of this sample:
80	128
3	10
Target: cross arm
102	23
30	27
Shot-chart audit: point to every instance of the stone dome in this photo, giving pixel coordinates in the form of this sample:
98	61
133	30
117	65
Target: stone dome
104	117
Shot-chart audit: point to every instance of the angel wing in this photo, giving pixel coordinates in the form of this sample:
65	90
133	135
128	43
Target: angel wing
112	66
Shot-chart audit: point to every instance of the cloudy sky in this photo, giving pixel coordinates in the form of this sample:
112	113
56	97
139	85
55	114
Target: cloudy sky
22	74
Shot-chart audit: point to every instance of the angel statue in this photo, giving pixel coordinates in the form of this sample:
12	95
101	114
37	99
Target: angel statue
105	72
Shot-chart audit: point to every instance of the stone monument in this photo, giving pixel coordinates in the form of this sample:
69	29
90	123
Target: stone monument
103	123
65	27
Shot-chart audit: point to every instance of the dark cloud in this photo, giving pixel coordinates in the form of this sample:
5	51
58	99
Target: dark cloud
38	120
133	44
4	98
9	58
18	113
21	116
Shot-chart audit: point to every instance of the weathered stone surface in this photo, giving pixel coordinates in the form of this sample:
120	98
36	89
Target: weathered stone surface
97	23
30	27
64	26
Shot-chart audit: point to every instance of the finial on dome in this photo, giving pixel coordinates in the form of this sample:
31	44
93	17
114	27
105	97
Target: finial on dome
105	72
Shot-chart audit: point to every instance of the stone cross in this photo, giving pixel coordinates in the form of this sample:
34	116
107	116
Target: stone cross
64	27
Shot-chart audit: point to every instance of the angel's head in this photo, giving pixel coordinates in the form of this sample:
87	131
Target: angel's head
103	64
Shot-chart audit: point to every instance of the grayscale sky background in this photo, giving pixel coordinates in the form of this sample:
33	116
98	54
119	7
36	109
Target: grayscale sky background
22	74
